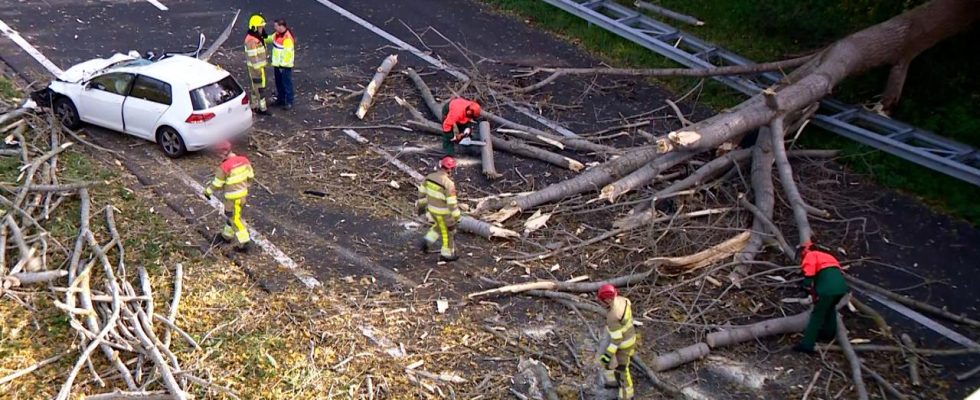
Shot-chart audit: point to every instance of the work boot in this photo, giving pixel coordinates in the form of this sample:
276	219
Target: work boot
288	106
244	247
448	258
423	246
802	348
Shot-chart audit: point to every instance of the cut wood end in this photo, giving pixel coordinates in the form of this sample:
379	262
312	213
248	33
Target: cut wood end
574	165
498	232
684	138
608	193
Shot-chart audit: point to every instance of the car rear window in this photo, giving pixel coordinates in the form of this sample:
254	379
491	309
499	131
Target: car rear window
215	94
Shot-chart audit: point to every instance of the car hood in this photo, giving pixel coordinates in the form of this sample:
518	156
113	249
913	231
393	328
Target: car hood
85	70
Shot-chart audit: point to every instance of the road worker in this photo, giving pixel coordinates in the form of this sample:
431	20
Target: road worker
623	339
283	55
437	195
232	178
824	281
459	122
255	59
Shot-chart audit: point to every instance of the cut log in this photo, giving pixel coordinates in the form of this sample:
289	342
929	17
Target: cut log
770	327
486	152
26	278
680	356
372	88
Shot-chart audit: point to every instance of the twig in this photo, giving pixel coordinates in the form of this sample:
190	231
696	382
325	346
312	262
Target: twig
528	350
24	371
852	359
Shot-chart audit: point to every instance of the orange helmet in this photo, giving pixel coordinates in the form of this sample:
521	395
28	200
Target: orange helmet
475	108
447	163
607	292
221	147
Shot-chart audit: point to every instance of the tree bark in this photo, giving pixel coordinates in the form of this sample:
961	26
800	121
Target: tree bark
486	152
895	85
372	88
642	176
770	327
886	43
680	356
786	180
852	359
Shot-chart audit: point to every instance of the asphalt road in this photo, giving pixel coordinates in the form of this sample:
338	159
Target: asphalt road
331	239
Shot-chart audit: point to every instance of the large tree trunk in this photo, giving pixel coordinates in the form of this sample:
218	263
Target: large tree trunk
887	43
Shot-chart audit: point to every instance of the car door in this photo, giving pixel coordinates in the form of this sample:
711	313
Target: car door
101	101
144	106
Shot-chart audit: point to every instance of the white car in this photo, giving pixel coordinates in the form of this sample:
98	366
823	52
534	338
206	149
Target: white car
181	103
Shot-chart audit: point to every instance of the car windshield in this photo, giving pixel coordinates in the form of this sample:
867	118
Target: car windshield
215	94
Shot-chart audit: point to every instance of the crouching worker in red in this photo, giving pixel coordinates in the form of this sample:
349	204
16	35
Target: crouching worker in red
459	122
232	178
824	281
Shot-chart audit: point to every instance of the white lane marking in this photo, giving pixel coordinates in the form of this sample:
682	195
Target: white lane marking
33	51
436	62
398	42
158	5
925	321
305	277
259	239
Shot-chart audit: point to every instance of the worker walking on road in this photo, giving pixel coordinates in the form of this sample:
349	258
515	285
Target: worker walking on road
622	340
437	195
232	178
255	59
283	57
458	123
824	281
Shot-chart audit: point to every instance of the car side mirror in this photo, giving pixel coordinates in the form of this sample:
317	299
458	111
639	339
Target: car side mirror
87	85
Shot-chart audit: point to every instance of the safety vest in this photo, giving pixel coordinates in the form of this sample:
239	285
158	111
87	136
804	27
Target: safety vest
233	176
814	261
619	324
439	192
255	56
283	50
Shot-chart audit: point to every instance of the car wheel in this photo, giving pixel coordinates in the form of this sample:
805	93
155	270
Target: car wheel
66	112
170	142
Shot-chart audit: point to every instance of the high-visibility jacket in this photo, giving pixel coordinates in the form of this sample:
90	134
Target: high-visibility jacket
283	50
814	261
456	114
438	194
255	58
619	325
814	264
232	177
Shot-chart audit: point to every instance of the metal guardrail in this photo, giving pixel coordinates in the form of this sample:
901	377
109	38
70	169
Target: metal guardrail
895	137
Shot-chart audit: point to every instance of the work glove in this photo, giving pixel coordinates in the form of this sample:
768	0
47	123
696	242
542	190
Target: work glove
208	193
605	359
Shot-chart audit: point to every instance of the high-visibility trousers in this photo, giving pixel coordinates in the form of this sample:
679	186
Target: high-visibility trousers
235	228
621	377
441	228
257	92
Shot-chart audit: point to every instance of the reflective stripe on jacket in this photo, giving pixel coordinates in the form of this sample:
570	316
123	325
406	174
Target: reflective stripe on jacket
619	325
233	176
283	50
438	193
255	55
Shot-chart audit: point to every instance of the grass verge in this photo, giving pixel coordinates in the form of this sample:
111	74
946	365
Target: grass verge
779	29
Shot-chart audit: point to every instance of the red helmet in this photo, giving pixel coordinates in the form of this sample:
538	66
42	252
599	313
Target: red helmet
221	147
475	108
607	292
447	163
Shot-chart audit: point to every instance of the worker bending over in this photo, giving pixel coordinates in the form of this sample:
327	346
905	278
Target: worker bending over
437	195
622	340
458	123
256	60
232	178
824	282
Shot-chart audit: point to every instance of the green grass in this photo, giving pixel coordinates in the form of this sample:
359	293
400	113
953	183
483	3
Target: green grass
7	89
941	93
